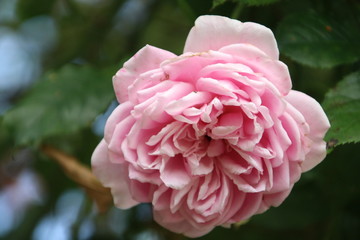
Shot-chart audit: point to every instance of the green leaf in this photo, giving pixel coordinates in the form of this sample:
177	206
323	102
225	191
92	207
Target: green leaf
63	102
217	3
318	41
257	2
342	106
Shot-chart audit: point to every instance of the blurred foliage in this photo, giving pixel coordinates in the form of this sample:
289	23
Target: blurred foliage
63	102
26	9
318	40
217	3
257	2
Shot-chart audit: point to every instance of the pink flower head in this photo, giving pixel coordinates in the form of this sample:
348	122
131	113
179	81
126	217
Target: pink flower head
210	137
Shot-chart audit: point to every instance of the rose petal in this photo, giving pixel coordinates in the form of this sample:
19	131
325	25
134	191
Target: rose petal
215	86
145	80
175	222
118	136
145	59
214	32
113	176
216	148
233	164
194	98
154	107
173	172
281	177
141	192
161	198
273	70
250	206
200	167
144	94
186	67
177	197
318	123
296	149
144	176
275	199
120	113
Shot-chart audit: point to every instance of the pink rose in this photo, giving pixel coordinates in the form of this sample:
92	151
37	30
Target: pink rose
210	137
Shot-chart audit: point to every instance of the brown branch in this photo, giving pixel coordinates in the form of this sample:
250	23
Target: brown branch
82	175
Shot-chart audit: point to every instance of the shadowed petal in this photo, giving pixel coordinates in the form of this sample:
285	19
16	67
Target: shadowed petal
120	113
173	173
112	176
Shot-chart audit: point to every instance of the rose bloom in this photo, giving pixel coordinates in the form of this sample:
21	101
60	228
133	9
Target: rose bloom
210	137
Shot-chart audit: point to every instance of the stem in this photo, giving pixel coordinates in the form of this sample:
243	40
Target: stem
82	175
237	11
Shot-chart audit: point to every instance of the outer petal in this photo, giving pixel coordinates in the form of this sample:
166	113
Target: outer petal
146	59
120	113
214	32
177	223
318	122
112	176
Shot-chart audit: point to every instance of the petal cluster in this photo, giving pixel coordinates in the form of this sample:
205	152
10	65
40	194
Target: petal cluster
210	137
